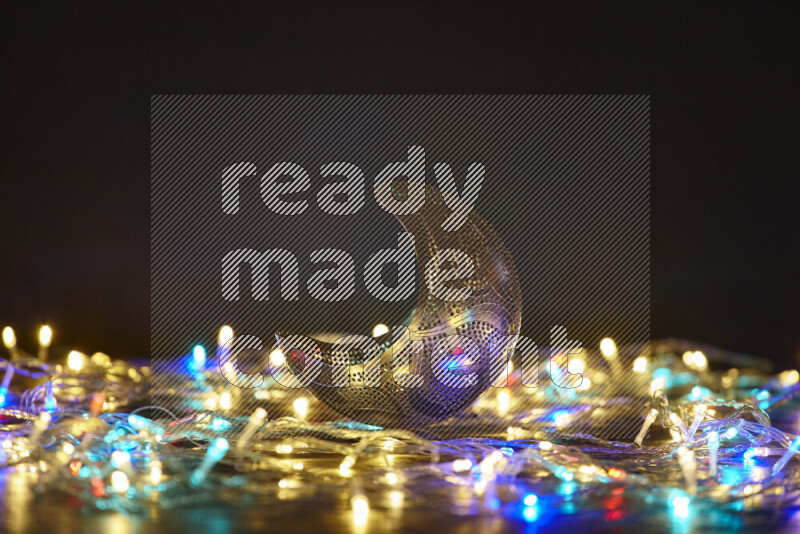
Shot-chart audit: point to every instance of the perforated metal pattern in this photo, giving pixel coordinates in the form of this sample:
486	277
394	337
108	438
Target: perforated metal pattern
488	318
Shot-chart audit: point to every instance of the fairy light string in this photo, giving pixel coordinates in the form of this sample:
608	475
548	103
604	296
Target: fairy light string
71	431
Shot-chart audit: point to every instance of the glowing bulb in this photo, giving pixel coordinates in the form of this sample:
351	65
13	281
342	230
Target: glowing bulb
648	422
45	336
682	512
699	415
678	423
396	498
576	366
120	481
120	458
68	448
284	448
789	378
75	360
530	499
199	356
101	360
210	403
155	472
688	358
348	462
225	335
608	347
680	507
391	478
530	513
379	330
277	358
9	339
503	401
700	360
462	465
301	407
616	474
640	364
360	510
680	502
228	369
657	384
761	451
225	401
49	397
584	385
561	418
731	432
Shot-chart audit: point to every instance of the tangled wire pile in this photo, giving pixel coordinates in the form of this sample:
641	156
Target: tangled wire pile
718	447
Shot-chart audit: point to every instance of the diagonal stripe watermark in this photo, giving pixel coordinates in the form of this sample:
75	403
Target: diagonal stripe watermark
475	227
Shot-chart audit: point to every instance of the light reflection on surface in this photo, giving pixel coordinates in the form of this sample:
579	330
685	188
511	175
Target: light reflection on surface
562	507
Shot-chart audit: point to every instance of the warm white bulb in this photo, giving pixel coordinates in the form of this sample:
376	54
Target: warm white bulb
225	335
396	498
120	481
608	347
700	360
9	339
75	360
640	364
101	359
277	358
360	510
503	401
657	384
576	366
45	336
379	330
789	378
156	472
301	407
562	420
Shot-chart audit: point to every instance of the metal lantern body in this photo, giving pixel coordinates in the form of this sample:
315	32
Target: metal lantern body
448	352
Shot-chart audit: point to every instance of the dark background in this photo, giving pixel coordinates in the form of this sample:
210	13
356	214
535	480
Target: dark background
77	80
